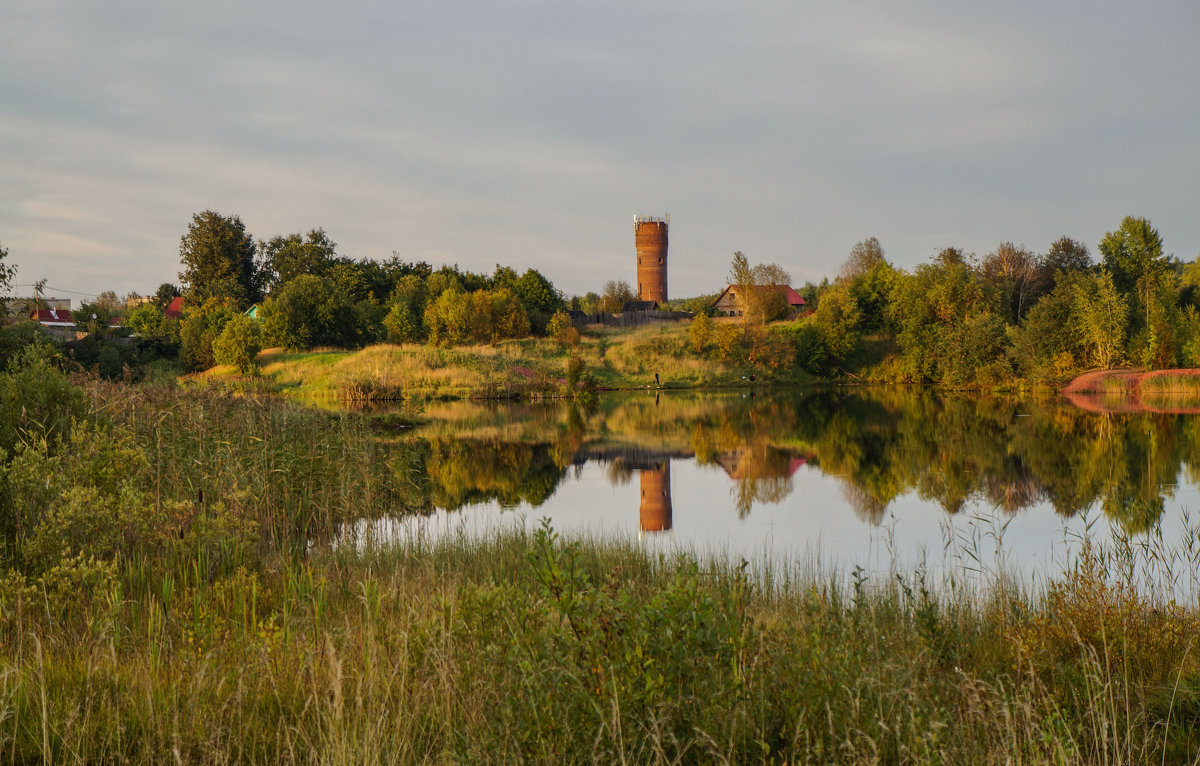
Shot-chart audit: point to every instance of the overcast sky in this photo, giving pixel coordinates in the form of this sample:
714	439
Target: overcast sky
530	133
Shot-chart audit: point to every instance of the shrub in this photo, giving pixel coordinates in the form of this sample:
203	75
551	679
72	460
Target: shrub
238	344
403	323
562	329
198	331
700	332
147	320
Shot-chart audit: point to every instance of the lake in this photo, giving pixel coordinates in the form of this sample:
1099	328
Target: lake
881	479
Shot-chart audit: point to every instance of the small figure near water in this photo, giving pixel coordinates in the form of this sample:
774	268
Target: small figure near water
656	379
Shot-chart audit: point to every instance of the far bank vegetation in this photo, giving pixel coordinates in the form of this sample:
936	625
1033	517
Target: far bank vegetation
1012	317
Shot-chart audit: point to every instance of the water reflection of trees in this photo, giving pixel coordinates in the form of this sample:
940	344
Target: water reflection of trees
954	451
1010	453
451	473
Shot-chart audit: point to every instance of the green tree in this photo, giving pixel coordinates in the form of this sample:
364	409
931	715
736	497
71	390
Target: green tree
872	289
282	259
509	316
1189	284
238	344
1189	340
1101	315
700	332
201	325
1013	277
590	303
504	276
540	298
109	301
616	294
93	318
770	274
1065	254
812	353
311	311
562	329
926	305
356	280
975	351
864	257
442	280
447	318
838	318
218	260
403	323
1133	252
1158	336
147	320
1047	344
165	293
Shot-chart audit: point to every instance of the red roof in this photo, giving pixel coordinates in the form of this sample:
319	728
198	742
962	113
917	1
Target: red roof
54	316
793	297
175	308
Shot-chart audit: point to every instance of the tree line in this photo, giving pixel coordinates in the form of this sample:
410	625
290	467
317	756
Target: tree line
309	296
958	320
1014	313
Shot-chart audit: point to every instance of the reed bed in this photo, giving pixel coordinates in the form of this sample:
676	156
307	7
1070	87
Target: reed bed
262	629
524	647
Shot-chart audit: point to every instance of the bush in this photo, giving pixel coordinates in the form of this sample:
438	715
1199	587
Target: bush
700	332
562	329
812	351
238	344
198	331
403	323
147	320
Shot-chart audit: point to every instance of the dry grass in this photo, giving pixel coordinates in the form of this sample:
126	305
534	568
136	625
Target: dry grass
613	359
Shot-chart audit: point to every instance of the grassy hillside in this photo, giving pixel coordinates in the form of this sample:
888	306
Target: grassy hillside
611	358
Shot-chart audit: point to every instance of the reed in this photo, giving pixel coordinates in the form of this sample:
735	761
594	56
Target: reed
524	647
299	633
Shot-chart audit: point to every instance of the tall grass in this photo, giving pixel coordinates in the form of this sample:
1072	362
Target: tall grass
523	647
291	640
1168	389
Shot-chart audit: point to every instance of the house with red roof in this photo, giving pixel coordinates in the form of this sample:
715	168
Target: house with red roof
729	304
54	318
59	322
174	308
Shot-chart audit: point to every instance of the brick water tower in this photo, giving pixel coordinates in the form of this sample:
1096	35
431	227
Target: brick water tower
650	238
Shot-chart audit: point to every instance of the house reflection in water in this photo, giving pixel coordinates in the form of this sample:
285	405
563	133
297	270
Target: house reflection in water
760	474
654	513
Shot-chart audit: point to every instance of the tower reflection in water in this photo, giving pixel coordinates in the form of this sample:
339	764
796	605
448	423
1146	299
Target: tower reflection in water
654	512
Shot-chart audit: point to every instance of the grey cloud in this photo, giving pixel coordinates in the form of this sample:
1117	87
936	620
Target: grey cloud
530	132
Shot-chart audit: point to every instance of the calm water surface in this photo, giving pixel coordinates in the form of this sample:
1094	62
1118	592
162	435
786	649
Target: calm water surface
880	479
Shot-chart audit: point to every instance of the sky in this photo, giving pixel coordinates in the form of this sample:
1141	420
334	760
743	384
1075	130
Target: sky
529	133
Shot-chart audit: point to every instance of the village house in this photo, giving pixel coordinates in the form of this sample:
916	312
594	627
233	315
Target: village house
174	309
58	322
729	304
